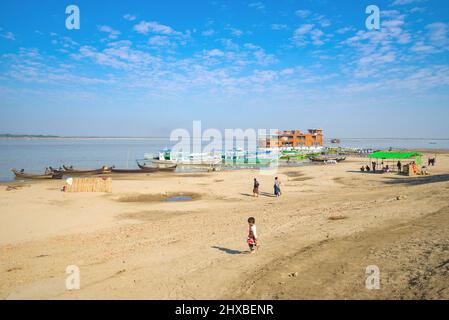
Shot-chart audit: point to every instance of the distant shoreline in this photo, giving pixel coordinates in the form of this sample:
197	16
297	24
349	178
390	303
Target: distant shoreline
433	148
80	138
49	137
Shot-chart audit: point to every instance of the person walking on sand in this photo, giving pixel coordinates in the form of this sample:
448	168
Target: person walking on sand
256	188
277	187
399	165
252	235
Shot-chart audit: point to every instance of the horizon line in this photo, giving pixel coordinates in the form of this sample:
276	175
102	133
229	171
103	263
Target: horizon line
45	136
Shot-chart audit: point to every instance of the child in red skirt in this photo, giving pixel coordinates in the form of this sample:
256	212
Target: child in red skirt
252	235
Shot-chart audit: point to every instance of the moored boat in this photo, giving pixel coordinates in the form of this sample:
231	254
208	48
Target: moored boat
73	171
326	158
167	158
259	157
51	175
140	170
164	169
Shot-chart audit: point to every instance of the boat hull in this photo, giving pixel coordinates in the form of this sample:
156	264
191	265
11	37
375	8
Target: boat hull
324	159
170	163
163	168
146	170
71	171
24	175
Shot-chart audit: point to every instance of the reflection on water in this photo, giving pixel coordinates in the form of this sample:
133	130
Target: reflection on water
34	155
179	198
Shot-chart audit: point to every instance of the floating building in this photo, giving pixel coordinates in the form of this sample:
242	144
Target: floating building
295	138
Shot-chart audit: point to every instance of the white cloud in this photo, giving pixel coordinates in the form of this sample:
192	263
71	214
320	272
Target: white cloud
417	10
422	48
257	5
251	46
8	35
322	20
278	26
213	53
344	30
305	28
308	33
145	27
405	2
438	33
436	40
159	41
316	35
264	59
208	33
112	33
235	32
229	44
303	13
129	17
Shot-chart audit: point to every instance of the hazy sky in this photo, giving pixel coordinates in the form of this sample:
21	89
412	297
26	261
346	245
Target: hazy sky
140	68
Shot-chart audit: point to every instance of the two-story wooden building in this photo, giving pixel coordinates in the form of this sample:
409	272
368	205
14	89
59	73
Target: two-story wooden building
295	138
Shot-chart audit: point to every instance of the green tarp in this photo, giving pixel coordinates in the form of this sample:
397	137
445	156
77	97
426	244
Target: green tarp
396	155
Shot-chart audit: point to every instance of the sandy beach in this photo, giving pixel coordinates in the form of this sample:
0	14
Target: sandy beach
316	240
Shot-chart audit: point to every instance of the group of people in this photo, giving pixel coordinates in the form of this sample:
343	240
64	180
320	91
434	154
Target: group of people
276	186
49	170
412	166
385	168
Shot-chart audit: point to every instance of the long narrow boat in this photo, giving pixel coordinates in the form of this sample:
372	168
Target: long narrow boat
163	169
71	170
326	158
188	162
24	175
146	170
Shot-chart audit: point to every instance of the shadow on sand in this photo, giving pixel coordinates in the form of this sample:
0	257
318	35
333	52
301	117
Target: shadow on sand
227	250
371	172
419	180
265	194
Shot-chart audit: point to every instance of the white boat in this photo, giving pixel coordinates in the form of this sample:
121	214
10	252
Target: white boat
260	157
169	158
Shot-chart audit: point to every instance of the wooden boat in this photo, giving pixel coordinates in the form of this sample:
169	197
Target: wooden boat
326	158
335	141
71	170
145	170
163	169
51	175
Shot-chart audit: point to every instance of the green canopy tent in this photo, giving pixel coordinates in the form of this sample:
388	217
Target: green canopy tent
396	155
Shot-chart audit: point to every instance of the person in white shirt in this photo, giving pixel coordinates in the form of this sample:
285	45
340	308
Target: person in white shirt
252	235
